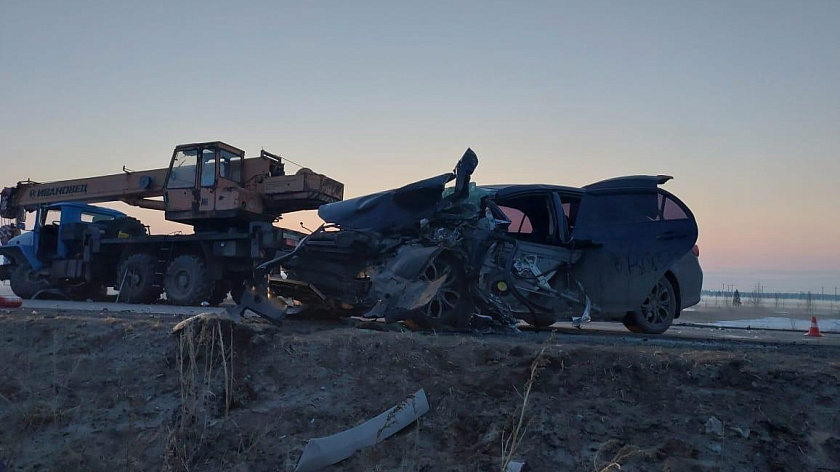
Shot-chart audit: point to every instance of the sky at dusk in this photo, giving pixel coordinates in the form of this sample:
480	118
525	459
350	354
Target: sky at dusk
738	100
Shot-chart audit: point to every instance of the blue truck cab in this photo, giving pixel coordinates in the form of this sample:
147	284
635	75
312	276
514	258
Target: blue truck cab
55	242
47	241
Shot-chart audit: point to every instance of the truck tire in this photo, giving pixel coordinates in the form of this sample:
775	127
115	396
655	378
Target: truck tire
25	283
237	289
136	279
188	282
220	293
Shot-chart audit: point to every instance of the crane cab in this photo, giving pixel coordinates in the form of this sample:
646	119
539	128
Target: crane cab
206	182
213	186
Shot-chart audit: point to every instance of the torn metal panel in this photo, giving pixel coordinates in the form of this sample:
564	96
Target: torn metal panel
410	261
515	466
263	302
323	452
578	321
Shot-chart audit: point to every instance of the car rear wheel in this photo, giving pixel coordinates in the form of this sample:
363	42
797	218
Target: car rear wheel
657	311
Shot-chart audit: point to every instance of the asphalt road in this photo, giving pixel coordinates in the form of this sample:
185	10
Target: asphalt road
683	332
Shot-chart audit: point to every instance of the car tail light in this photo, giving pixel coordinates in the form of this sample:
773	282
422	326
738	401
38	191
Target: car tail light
696	250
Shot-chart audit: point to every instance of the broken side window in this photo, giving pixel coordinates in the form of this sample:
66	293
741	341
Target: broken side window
519	222
531	218
570	209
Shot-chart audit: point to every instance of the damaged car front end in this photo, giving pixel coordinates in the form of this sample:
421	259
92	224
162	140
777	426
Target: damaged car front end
440	256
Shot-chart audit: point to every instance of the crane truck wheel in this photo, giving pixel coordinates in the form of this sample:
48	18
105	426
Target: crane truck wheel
25	282
220	292
237	289
136	280
188	282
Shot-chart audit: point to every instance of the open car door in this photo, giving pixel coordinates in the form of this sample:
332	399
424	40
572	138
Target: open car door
633	231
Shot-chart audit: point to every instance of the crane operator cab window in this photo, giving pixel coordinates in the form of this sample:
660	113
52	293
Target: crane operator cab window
208	167
184	166
230	166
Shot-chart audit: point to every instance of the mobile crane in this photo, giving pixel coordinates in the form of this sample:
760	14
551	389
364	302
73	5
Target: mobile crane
79	250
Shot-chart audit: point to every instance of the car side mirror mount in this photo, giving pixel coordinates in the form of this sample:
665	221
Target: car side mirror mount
463	172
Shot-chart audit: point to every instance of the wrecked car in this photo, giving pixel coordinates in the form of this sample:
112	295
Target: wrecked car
622	249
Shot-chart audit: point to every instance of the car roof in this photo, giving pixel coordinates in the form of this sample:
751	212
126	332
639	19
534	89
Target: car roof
503	190
624	182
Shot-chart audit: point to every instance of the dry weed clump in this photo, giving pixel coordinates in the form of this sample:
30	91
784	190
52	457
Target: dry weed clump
519	422
204	359
620	454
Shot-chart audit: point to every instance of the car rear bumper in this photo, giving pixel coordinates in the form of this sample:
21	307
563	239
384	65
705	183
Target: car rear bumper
689	277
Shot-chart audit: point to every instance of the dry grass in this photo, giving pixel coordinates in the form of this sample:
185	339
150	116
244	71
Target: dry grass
203	360
519	423
620	456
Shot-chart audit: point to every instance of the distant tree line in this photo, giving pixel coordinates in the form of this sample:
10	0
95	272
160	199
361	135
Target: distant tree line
760	294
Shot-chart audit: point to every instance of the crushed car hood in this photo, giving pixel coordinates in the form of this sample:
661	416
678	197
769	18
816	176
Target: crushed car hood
388	210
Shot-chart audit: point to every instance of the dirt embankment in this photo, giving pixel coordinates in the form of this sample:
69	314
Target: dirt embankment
100	391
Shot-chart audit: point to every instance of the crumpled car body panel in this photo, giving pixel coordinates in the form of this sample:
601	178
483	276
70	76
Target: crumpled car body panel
514	252
388	210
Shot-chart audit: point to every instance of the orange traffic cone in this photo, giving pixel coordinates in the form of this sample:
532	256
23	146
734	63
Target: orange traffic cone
10	302
815	330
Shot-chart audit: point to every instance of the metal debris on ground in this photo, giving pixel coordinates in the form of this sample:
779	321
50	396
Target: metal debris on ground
714	426
743	432
325	451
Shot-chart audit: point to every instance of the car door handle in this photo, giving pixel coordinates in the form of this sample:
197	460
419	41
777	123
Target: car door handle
670	235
